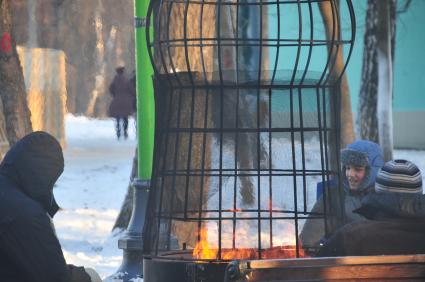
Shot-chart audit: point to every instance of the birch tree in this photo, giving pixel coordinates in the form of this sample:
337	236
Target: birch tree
374	118
385	79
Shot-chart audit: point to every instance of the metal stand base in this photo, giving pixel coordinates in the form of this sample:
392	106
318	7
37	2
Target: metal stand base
132	242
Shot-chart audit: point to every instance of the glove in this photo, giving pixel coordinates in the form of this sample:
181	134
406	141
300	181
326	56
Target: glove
77	274
93	274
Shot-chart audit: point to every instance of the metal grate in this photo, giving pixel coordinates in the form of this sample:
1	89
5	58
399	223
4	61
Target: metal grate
247	125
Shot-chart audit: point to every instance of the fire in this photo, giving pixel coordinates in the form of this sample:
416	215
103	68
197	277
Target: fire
203	250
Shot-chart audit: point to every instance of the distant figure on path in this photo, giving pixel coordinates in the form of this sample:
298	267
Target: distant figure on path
122	104
29	248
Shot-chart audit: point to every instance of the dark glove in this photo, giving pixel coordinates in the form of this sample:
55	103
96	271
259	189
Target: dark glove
77	274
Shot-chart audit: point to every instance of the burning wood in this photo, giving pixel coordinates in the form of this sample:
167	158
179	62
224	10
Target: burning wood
203	250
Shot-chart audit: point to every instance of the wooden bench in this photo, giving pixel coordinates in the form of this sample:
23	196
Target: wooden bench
370	268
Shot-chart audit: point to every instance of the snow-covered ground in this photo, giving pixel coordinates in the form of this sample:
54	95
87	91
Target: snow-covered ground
91	191
93	186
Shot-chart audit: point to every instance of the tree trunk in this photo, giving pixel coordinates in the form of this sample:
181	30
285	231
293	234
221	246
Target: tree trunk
367	118
12	85
385	76
347	128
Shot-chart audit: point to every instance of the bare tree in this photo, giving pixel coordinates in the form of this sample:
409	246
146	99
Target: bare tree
385	78
12	85
379	38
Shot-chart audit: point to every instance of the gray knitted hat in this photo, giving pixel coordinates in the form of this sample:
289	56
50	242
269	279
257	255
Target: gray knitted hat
399	176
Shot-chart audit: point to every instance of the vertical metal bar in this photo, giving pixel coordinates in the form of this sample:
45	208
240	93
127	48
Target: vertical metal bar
330	51
300	108
270	206
335	41
351	41
326	184
319	118
237	128
168	43
270	122
260	53
220	74
291	87
192	107
277	43
201	42
204	133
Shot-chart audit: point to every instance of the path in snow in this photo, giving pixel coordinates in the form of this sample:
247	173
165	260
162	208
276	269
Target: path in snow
91	190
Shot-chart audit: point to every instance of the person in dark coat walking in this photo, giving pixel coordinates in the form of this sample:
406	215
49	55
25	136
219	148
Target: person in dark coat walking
29	248
395	213
122	104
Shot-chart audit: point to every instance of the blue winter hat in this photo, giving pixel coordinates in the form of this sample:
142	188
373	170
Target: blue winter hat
363	153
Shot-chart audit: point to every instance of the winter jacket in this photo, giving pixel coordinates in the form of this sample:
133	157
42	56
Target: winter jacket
122	104
395	226
29	248
377	237
313	231
378	206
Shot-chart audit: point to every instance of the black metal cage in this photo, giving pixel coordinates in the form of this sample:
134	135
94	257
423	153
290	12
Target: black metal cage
247	125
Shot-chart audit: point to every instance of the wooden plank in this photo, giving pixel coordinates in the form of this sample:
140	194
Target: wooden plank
338	261
375	268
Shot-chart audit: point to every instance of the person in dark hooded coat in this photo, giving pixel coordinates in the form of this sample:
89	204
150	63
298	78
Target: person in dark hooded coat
29	248
360	161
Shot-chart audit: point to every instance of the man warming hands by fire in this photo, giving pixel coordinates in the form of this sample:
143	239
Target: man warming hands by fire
360	161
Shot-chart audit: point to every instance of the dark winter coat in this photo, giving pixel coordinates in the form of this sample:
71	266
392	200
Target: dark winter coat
313	231
122	104
395	226
29	248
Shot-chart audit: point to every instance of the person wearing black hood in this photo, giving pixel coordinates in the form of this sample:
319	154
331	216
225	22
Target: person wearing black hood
29	248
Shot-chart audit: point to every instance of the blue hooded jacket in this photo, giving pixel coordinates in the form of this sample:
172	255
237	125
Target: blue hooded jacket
359	153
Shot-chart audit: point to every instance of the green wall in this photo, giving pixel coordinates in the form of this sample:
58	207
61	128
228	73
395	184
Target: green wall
409	68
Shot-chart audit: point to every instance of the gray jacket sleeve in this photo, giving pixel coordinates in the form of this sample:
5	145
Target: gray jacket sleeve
314	226
314	230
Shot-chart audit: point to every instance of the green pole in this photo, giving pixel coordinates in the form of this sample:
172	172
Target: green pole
145	97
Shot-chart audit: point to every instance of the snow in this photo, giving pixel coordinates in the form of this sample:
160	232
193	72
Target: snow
91	191
93	186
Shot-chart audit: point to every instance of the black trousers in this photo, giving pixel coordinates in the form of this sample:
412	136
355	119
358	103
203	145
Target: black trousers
121	125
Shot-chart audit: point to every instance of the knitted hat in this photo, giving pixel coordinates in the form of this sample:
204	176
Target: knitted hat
399	176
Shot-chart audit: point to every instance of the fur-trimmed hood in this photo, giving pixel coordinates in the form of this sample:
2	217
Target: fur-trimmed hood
363	153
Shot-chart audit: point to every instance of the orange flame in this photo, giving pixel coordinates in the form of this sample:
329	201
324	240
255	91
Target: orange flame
203	251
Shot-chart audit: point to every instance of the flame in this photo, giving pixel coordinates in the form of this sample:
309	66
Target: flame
203	250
